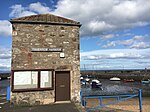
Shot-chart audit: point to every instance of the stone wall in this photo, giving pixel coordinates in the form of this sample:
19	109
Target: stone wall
28	36
32	98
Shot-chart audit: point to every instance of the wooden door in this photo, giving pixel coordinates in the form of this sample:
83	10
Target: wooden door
62	86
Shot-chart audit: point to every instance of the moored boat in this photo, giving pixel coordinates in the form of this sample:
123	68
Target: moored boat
81	78
83	82
8	78
114	79
87	79
145	81
128	80
96	83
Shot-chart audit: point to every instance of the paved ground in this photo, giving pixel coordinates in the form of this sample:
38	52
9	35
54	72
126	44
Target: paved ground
65	107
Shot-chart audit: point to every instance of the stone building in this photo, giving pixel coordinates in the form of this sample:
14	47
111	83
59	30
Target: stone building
45	60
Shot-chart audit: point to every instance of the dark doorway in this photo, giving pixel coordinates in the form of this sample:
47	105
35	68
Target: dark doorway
62	86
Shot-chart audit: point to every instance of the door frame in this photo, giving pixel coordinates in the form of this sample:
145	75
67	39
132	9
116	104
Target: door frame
69	84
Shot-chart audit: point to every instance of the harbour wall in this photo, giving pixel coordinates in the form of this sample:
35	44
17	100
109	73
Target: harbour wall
137	75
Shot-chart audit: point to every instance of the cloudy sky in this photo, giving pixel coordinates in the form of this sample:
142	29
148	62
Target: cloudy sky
115	34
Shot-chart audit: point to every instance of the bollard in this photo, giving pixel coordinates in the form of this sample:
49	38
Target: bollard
8	93
140	100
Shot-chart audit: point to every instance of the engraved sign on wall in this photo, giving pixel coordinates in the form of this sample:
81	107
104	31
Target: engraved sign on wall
46	49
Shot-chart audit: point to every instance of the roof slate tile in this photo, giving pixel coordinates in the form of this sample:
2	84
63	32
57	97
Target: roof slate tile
45	18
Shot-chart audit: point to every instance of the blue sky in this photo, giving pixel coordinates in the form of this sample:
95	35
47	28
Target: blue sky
115	34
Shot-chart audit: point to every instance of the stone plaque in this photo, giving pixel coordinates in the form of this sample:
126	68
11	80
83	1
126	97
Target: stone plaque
46	49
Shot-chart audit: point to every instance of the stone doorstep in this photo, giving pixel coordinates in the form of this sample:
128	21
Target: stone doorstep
62	102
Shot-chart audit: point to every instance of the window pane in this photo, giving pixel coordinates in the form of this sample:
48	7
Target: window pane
46	79
25	79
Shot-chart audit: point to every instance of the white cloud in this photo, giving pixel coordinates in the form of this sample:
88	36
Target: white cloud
96	26
99	16
5	59
5	28
19	11
110	44
138	42
39	8
145	62
126	42
33	9
4	67
5	53
141	45
128	34
116	54
108	36
116	59
96	16
16	10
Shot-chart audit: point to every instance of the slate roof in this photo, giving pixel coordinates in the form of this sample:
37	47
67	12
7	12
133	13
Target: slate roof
45	18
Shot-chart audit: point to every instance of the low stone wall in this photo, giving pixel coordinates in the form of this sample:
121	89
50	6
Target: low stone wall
33	98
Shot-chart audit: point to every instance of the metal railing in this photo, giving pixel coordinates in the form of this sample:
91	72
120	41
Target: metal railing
120	98
8	93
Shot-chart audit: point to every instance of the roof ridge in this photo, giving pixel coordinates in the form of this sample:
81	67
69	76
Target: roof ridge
45	18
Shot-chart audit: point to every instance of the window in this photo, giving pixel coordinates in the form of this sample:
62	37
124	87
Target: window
32	80
26	79
46	77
